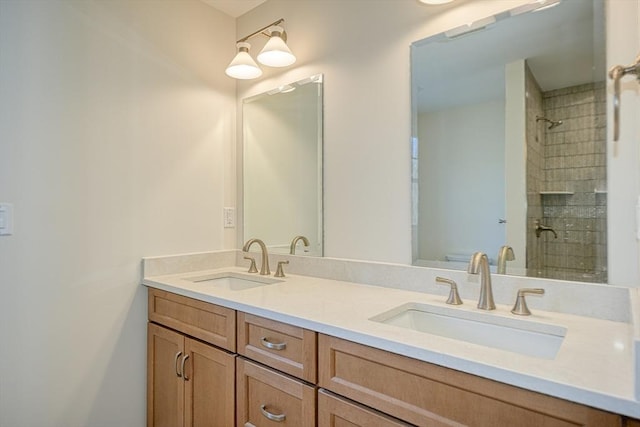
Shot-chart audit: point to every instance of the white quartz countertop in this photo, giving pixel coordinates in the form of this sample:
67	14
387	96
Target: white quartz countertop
594	366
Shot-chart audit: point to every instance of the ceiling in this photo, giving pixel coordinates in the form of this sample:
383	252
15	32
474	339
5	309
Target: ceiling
234	8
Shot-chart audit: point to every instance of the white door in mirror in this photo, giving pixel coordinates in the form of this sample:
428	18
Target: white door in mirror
6	219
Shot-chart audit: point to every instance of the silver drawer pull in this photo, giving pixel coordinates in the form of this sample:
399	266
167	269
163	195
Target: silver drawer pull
273	345
273	417
175	363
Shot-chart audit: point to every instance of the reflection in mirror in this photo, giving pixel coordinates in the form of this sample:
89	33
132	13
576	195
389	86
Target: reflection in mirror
509	144
282	167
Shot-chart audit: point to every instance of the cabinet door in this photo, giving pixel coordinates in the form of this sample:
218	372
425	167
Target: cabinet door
268	398
165	388
209	375
334	411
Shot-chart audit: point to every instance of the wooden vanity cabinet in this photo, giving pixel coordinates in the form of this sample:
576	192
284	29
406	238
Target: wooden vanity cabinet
190	382
429	395
196	379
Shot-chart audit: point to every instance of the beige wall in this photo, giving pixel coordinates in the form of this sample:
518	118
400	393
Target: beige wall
116	127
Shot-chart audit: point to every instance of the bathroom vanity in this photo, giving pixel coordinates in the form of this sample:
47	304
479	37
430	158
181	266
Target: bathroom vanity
319	348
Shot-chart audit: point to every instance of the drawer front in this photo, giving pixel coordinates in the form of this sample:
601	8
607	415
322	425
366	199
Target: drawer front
266	398
284	347
208	322
334	411
430	395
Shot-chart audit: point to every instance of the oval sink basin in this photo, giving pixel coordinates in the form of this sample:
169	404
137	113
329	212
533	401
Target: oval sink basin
234	281
516	335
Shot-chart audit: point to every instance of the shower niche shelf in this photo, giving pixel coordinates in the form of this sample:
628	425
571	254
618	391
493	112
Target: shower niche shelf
556	193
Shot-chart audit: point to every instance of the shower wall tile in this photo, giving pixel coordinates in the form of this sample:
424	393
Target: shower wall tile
575	161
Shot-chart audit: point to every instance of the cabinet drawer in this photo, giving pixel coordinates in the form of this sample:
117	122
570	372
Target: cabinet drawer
334	411
430	395
266	397
208	322
284	347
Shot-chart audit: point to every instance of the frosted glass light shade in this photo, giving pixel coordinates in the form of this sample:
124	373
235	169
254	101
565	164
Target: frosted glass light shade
243	66
276	53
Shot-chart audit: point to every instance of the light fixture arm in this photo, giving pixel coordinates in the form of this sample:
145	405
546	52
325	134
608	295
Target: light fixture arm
261	31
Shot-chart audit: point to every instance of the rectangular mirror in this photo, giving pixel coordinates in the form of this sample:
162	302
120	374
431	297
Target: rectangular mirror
282	167
509	143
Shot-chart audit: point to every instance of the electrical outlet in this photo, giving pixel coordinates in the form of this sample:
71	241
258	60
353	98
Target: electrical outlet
229	217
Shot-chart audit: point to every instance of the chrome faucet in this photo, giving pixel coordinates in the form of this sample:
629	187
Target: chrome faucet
505	254
292	249
479	264
264	268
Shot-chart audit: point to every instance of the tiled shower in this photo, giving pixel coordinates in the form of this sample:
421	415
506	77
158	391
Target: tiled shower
566	182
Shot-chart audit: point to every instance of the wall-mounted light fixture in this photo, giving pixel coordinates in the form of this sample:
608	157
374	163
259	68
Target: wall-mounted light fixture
275	53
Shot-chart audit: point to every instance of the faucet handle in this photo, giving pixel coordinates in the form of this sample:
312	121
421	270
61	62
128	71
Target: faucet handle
252	267
280	270
520	307
454	297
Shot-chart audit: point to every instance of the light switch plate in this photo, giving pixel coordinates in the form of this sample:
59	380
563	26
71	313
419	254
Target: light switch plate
6	219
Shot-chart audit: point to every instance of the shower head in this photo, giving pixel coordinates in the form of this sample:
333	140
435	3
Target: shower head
552	123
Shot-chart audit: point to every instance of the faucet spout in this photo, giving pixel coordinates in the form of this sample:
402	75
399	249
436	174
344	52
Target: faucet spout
264	268
505	254
305	241
479	264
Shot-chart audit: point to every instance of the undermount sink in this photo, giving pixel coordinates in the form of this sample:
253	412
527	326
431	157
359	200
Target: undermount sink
234	281
516	335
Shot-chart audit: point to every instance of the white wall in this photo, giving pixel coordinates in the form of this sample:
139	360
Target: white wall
461	180
116	125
